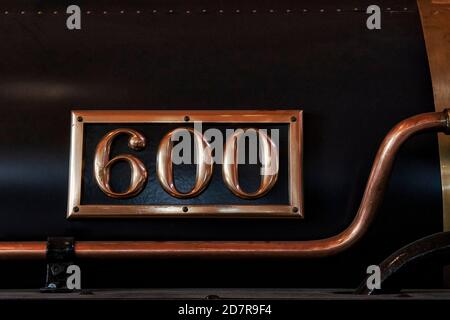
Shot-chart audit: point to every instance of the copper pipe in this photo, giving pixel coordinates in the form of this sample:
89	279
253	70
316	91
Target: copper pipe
23	250
373	195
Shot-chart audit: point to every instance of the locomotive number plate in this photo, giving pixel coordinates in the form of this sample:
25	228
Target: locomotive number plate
221	163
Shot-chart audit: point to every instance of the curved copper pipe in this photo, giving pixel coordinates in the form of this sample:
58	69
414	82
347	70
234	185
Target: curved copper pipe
373	194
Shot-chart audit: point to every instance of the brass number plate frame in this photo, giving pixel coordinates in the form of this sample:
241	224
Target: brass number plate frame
291	117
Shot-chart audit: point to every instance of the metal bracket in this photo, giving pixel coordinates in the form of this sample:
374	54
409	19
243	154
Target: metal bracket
435	246
60	255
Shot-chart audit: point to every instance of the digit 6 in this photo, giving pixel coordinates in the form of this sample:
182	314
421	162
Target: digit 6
102	163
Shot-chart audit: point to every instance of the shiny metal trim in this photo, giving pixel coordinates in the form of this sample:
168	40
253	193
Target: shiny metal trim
292	210
435	16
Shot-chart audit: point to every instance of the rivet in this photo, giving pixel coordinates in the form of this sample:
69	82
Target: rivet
406	9
122	11
88	12
170	11
155	11
338	10
271	11
6	12
39	12
22	12
253	11
80	119
293	119
388	9
322	10
204	11
188	12
305	10
76	209
138	11
238	11
55	12
288	11
186	118
185	209
355	9
220	11
105	12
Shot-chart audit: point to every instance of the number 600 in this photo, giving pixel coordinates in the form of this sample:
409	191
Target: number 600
204	164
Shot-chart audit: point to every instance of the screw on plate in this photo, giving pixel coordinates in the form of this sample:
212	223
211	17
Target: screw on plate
186	118
295	209
76	209
80	119
185	209
293	119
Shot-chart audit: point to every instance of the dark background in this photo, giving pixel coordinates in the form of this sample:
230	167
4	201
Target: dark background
184	174
352	83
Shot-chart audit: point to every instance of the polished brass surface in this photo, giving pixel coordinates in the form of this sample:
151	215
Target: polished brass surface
102	163
164	169
293	209
435	15
372	198
269	169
